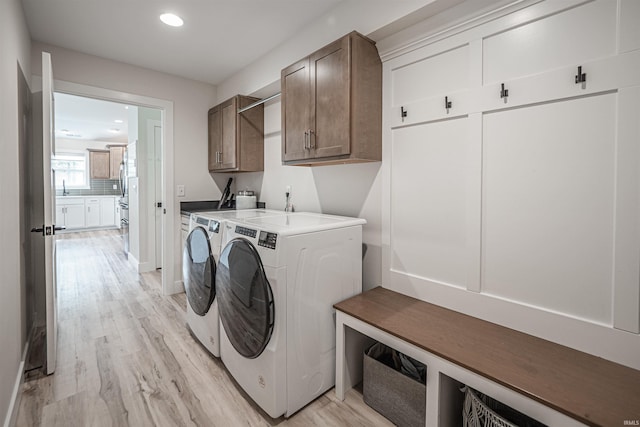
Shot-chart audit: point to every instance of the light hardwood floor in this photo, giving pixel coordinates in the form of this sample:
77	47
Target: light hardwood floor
126	358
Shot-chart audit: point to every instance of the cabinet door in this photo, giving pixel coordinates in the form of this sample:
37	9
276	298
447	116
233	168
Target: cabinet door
93	213
60	216
74	216
229	113
215	138
330	100
107	212
99	164
116	155
296	111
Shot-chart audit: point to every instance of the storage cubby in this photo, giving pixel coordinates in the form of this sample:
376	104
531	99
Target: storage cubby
450	402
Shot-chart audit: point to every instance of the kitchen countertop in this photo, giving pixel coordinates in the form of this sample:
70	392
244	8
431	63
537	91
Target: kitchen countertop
88	196
187	208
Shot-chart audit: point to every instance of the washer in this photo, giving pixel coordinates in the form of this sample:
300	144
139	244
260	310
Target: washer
199	261
277	279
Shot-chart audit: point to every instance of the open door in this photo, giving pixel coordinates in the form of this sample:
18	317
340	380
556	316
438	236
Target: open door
48	229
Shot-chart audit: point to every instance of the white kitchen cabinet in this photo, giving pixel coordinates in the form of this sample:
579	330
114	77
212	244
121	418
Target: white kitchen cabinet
107	212
70	212
92	212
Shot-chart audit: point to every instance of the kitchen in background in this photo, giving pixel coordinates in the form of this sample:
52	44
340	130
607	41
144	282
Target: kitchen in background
91	140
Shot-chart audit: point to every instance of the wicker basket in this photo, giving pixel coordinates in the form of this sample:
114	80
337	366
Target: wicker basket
476	413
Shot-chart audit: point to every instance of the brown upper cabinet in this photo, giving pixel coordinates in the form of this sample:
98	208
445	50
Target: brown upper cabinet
236	140
116	156
332	105
99	164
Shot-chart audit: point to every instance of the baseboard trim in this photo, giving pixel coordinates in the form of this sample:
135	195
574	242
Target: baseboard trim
16	395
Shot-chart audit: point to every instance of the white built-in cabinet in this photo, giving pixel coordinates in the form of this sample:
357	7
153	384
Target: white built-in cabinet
92	213
108	211
70	213
512	172
78	212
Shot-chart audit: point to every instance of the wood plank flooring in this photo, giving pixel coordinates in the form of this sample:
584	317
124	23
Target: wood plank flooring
126	358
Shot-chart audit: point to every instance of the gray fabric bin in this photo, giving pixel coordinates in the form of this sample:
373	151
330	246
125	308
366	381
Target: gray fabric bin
399	398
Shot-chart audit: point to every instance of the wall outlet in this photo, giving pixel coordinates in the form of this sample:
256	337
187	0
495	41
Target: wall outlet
180	190
115	187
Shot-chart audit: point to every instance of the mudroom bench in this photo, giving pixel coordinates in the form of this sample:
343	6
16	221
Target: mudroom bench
551	383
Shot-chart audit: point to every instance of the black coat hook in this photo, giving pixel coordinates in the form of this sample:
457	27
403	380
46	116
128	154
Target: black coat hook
447	103
581	77
504	93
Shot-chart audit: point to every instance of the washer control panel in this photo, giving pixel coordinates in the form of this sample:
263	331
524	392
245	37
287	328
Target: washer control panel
249	232
268	240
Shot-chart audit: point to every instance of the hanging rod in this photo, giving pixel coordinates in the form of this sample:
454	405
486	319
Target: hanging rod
255	104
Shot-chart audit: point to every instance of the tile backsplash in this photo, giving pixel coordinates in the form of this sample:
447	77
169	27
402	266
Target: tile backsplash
99	187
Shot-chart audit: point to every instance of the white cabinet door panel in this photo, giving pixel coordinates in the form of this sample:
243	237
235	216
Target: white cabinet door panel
93	213
548	205
432	166
74	215
629	28
107	212
440	74
60	220
572	36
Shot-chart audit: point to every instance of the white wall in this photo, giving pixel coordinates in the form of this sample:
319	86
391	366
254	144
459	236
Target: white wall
191	101
364	16
15	46
350	190
81	144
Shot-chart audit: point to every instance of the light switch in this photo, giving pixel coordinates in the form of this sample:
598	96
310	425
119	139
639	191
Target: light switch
180	191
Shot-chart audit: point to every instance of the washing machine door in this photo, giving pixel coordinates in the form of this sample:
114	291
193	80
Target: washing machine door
245	298
199	271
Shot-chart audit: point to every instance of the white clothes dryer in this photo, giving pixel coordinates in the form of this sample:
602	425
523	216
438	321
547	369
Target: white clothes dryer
199	261
277	280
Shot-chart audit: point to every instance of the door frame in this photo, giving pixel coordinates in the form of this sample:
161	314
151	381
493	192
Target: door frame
169	229
152	238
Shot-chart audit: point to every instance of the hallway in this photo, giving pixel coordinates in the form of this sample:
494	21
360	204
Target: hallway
125	356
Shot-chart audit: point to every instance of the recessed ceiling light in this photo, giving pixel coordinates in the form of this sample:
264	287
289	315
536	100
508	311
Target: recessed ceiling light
171	19
118	121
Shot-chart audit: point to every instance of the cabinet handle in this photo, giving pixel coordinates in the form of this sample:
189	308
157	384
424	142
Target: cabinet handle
311	132
306	139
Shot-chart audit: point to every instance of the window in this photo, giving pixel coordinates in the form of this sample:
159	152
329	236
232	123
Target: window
72	168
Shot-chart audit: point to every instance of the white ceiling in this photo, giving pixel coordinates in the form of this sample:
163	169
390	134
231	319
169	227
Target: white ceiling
90	119
219	37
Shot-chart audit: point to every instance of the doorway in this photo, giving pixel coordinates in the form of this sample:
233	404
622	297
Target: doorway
169	283
108	164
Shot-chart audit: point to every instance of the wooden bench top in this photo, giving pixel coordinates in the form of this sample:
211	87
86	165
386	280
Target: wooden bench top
590	389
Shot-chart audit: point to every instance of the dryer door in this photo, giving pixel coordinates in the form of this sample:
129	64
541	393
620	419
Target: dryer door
245	299
199	271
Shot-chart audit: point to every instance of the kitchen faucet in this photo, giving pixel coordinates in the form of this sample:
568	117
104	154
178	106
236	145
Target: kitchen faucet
64	189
